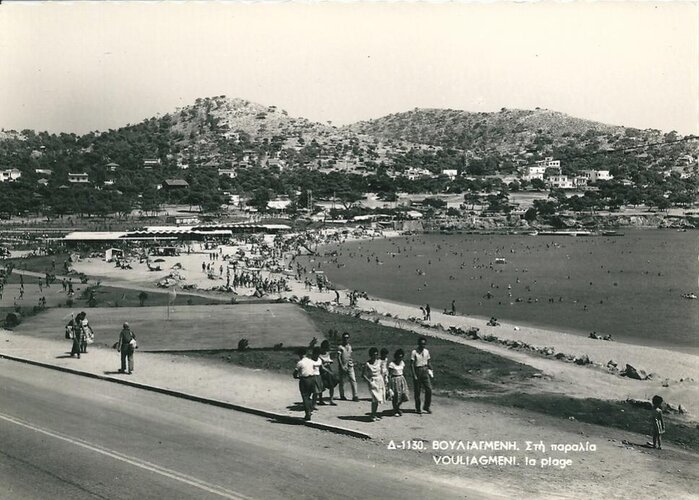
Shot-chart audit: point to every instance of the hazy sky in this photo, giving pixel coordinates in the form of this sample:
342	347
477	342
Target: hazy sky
89	66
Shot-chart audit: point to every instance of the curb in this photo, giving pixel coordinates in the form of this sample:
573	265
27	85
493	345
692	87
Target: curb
288	419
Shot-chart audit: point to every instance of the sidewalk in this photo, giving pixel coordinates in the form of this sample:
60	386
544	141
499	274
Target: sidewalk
451	420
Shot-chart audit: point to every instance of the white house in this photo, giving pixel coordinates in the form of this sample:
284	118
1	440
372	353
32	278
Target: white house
279	203
151	162
43	171
10	175
417	173
549	162
534	172
451	173
78	178
596	175
228	172
561	182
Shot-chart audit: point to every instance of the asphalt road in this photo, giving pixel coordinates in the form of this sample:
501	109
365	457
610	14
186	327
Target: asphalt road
65	436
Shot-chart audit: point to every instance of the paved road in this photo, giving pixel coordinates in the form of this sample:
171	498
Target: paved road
64	436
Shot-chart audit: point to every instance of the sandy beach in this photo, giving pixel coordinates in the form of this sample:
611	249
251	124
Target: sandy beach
673	374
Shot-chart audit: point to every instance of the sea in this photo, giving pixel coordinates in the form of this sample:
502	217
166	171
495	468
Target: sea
630	286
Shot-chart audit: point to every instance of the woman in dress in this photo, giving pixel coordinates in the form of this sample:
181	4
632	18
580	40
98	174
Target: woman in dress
396	382
326	373
374	378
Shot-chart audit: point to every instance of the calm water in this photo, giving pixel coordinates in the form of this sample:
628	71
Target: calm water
629	286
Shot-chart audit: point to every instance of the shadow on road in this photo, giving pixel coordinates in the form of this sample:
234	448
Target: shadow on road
356	418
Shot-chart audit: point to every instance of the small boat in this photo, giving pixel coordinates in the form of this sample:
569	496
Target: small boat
690	296
500	260
612	233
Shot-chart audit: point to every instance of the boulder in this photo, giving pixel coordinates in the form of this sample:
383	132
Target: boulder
582	360
646	405
633	373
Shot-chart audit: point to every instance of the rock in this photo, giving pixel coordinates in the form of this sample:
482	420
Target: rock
611	362
560	355
582	360
666	383
646	405
633	373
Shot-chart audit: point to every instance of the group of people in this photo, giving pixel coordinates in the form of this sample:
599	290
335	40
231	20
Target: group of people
385	379
80	332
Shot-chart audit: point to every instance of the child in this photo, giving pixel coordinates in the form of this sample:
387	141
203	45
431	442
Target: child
656	421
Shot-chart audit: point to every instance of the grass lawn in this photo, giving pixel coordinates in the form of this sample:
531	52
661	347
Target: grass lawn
457	367
464	372
617	414
39	264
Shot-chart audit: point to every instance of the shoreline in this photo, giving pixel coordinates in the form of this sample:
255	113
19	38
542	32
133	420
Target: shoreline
675	336
694	351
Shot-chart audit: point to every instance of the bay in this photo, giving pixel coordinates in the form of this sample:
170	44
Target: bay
628	286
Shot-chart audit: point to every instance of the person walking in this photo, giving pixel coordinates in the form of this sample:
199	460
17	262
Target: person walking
317	380
326	372
374	378
398	387
421	367
126	345
304	373
346	368
75	336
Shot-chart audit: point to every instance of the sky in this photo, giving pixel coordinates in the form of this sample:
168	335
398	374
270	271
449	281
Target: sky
76	67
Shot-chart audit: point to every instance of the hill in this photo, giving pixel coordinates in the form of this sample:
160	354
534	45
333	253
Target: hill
507	132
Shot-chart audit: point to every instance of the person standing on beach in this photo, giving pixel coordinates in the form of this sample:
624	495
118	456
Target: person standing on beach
657	423
428	312
346	368
126	346
421	366
304	373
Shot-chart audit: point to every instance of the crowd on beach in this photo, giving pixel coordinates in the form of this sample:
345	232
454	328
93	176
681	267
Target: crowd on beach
385	379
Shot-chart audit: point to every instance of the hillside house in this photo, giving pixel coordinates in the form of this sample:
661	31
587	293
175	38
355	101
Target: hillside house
175	184
43	182
417	173
532	172
78	178
10	175
451	173
281	203
685	160
43	171
112	167
149	163
228	172
561	182
596	175
549	162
